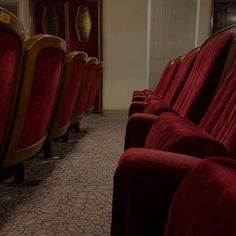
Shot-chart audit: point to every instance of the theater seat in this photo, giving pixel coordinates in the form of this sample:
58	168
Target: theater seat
81	104
40	82
95	87
215	135
161	193
73	73
173	90
163	86
145	181
206	75
11	52
145	92
205	203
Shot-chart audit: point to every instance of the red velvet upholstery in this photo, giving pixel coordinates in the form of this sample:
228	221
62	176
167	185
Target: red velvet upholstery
144	184
199	89
166	80
220	118
159	84
176	134
182	74
200	86
138	127
10	58
42	98
181	77
215	135
205	202
95	86
70	94
85	89
161	193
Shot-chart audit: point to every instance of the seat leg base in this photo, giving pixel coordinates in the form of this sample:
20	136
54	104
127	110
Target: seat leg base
19	178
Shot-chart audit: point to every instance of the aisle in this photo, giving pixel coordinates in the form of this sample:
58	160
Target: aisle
75	195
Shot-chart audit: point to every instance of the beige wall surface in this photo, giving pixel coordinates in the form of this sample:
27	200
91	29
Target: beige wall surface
124	50
173	26
204	25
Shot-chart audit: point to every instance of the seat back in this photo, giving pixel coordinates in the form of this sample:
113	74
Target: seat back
11	51
184	70
205	202
40	80
220	119
81	104
163	76
167	81
95	87
73	73
206	74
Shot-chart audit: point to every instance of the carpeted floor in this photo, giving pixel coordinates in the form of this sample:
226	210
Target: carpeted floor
75	195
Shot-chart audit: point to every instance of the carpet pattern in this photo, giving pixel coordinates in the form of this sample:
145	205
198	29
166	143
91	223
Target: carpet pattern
75	195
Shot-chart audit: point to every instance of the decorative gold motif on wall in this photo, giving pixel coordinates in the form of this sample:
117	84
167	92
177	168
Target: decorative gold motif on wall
50	20
83	24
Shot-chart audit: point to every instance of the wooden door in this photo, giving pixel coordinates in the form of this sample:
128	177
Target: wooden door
76	21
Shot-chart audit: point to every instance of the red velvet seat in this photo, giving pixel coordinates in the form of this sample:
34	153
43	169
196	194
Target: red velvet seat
215	135
73	73
164	84
206	75
95	87
145	92
40	82
11	52
174	89
145	200
81	104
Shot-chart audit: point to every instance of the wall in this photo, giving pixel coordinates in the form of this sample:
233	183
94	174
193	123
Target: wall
172	33
176	30
23	12
205	15
124	50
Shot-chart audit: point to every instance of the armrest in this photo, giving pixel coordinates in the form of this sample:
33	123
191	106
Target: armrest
137	107
137	129
144	184
141	92
177	134
139	97
157	106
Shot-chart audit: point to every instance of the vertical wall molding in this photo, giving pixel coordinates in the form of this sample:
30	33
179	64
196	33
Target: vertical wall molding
149	17
197	23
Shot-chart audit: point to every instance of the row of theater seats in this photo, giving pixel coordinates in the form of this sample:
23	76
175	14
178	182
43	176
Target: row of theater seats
43	92
177	174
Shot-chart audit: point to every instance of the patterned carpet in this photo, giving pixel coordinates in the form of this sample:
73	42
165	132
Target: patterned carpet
75	195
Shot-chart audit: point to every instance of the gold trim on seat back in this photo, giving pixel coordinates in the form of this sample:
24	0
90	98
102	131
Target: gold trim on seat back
33	47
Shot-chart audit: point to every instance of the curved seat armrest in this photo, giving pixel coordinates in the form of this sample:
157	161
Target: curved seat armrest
158	106
141	92
144	184
137	107
139	97
137	129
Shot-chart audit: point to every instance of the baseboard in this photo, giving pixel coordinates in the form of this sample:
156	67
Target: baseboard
116	113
